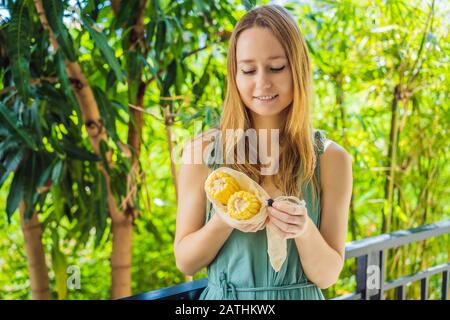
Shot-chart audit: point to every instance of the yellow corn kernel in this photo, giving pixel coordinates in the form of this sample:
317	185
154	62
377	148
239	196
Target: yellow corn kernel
220	186
243	205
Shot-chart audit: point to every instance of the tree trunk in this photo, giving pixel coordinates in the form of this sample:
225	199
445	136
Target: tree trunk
37	266
121	223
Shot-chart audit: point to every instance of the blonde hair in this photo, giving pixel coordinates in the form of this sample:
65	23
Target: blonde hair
296	137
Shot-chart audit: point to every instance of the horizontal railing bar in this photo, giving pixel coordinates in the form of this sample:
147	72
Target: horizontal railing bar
349	296
353	249
172	291
395	239
416	276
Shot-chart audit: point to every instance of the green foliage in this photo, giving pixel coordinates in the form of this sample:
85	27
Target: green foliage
360	52
18	45
54	11
101	42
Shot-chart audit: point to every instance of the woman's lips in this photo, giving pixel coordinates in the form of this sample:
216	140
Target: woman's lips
265	99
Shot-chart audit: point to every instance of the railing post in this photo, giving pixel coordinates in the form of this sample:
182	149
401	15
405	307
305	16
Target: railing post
401	293
361	276
376	260
445	285
424	288
382	263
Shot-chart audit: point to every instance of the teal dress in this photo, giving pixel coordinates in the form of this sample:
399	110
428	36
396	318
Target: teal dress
242	271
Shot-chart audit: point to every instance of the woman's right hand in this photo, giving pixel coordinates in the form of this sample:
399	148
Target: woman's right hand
246	227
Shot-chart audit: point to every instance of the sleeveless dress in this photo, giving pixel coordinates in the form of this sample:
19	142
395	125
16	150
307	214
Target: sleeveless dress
242	271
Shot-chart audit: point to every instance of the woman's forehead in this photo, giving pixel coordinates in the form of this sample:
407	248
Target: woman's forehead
258	44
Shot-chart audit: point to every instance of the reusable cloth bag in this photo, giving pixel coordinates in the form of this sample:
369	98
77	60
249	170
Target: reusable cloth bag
276	245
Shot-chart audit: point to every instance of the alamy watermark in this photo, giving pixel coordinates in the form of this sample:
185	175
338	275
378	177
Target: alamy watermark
258	144
73	280
373	281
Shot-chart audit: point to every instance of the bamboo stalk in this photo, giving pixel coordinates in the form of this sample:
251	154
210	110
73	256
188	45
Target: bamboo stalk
392	157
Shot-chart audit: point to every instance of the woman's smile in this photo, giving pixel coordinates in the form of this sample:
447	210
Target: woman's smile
266	99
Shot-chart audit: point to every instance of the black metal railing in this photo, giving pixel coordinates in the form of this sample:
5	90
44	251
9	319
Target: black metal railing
370	255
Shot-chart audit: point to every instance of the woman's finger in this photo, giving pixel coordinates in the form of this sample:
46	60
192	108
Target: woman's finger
281	232
285	227
285	217
289	207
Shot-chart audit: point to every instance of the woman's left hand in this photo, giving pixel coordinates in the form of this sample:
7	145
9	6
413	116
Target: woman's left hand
291	220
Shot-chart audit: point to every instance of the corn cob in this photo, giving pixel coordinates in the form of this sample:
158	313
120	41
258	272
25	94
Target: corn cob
220	186
243	205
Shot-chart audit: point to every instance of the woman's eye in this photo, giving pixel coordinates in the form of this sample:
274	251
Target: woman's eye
248	72
277	69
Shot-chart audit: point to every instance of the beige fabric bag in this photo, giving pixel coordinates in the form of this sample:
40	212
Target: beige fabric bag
276	245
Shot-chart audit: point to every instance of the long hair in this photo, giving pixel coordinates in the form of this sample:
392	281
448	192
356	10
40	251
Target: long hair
297	157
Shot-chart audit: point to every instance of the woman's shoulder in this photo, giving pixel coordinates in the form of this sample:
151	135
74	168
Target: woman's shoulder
335	158
330	152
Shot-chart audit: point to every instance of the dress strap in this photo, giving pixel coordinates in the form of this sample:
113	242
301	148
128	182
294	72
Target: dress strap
321	142
211	162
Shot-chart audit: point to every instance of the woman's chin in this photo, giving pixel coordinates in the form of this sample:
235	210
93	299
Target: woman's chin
266	111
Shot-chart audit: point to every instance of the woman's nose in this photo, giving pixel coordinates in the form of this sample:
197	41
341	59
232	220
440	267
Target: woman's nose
264	82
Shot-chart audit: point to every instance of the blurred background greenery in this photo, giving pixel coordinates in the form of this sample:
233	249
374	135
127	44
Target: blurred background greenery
155	68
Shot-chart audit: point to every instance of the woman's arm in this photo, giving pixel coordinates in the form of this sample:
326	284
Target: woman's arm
323	252
196	244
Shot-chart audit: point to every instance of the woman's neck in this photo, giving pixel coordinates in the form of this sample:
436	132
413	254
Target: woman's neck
267	122
267	126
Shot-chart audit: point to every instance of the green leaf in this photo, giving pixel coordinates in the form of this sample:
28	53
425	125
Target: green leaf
126	12
54	11
103	152
66	86
45	175
56	171
170	77
102	43
102	211
106	112
15	194
151	27
153	229
19	48
76	152
7	145
160	37
8	119
11	163
152	70
59	263
134	65
202	83
249	4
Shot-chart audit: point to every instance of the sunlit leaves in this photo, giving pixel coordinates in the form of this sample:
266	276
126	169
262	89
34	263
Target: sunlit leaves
101	42
54	11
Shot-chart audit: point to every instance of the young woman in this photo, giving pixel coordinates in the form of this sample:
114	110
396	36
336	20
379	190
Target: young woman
268	87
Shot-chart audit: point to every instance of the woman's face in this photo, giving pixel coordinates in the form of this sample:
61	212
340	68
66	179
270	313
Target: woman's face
263	77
